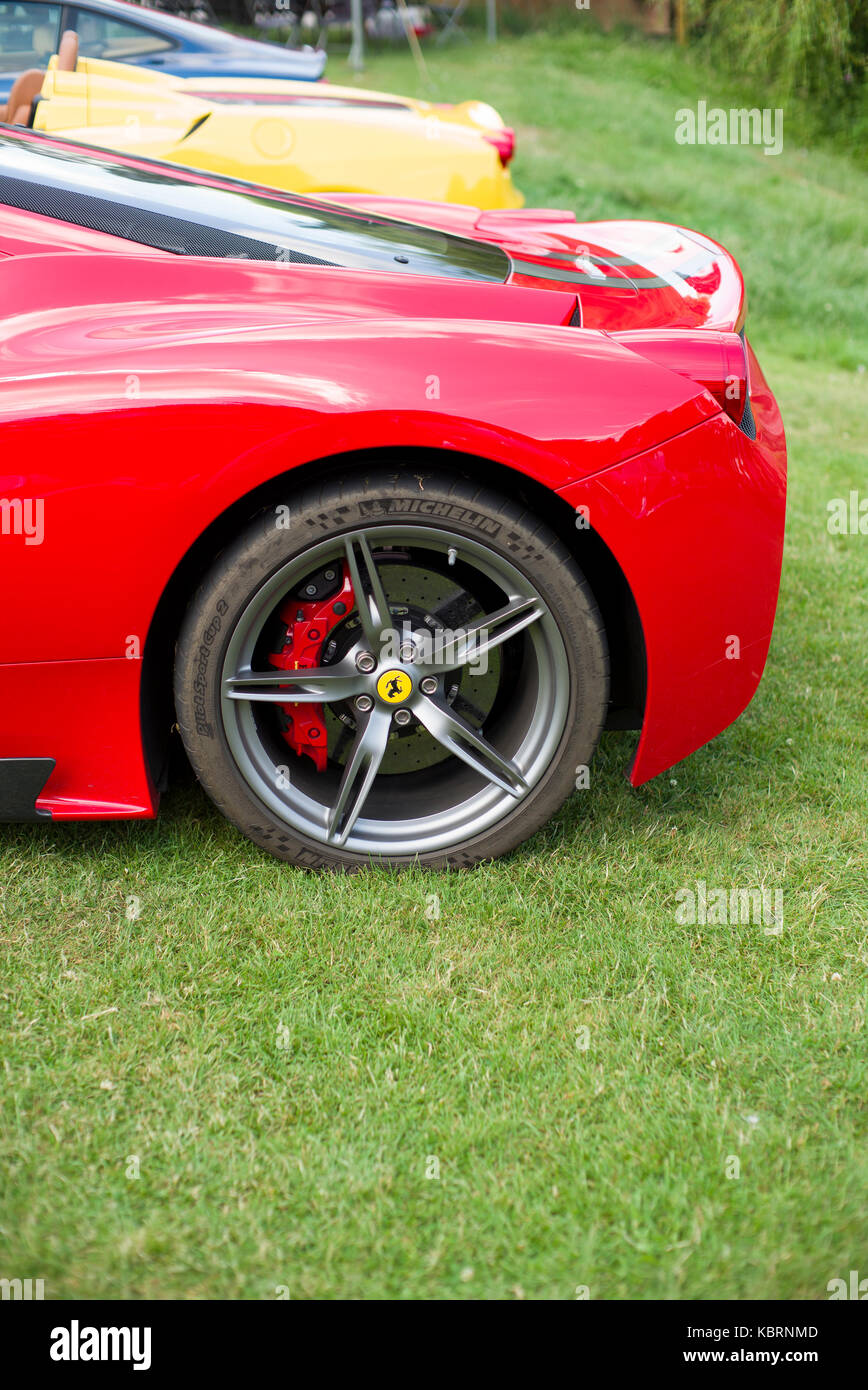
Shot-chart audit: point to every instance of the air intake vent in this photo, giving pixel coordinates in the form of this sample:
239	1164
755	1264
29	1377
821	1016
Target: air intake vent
747	424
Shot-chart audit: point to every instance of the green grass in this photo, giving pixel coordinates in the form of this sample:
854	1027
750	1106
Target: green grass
284	1053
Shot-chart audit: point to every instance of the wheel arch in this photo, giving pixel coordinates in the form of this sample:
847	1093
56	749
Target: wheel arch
598	564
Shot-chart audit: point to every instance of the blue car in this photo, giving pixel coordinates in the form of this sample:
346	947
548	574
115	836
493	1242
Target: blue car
30	32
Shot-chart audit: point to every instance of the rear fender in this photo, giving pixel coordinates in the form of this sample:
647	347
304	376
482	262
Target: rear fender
697	528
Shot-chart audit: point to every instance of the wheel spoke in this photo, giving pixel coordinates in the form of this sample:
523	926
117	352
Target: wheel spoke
371	602
320	683
467	744
362	767
486	633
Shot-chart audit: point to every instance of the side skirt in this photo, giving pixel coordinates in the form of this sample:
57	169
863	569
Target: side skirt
21	781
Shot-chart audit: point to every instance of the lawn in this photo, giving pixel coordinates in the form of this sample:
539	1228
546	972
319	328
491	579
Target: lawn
226	1078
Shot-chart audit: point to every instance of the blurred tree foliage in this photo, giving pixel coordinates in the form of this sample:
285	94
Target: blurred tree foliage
807	52
813	49
812	53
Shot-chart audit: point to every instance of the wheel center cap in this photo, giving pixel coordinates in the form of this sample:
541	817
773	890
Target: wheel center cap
394	687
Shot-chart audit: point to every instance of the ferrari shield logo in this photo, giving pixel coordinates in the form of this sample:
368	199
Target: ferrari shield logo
394	687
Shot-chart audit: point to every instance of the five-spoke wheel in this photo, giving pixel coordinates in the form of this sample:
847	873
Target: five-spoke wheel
399	688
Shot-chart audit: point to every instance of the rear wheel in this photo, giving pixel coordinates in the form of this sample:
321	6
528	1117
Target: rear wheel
391	670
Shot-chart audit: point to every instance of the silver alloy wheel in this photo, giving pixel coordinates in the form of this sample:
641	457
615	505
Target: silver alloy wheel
331	809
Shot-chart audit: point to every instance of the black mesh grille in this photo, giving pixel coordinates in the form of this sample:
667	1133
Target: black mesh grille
747	424
149	228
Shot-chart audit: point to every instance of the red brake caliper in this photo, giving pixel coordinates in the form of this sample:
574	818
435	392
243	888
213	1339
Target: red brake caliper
307	627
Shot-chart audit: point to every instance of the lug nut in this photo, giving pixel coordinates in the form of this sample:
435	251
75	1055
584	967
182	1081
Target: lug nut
428	685
402	716
364	704
365	662
407	652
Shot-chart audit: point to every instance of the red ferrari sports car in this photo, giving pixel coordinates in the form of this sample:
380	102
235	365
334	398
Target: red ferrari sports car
390	509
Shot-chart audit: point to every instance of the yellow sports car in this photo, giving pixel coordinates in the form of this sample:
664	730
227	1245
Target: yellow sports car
297	136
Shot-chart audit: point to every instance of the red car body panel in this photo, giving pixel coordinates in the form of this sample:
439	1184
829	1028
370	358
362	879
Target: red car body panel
630	275
141	415
710	508
88	714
